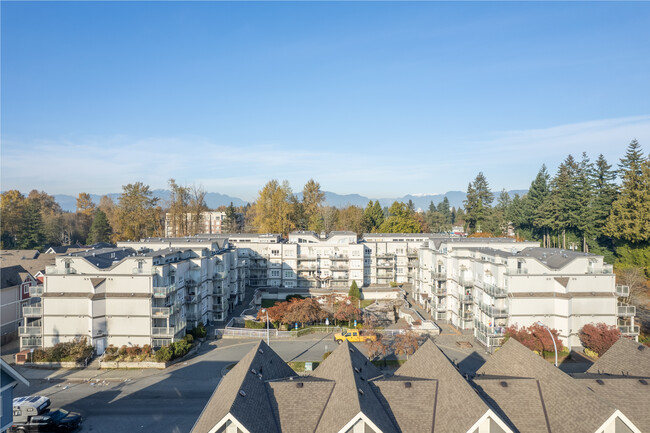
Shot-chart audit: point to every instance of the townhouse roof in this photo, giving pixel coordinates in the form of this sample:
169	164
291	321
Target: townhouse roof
351	371
19	254
34	265
456	405
626	357
567	405
553	258
243	393
11	276
7	369
629	395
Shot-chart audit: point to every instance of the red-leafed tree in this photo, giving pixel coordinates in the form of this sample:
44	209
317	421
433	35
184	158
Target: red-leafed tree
346	310
535	337
304	311
599	337
276	313
375	348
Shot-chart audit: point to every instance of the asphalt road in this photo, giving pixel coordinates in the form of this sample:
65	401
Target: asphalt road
172	399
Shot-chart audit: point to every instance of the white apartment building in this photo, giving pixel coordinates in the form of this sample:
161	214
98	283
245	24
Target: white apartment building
489	284
210	222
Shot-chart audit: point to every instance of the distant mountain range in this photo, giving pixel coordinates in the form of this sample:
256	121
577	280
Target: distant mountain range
215	199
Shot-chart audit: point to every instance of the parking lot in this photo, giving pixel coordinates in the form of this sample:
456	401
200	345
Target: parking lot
169	400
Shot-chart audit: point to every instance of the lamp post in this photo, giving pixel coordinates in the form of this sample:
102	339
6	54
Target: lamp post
268	340
552	339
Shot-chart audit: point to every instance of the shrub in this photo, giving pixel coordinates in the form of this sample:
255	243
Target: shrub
393	283
590	353
326	354
294	296
189	338
251	324
535	337
199	331
179	348
122	351
72	351
164	354
598	337
146	350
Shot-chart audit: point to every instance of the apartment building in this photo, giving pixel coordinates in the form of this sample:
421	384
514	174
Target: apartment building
210	222
224	276
127	296
487	285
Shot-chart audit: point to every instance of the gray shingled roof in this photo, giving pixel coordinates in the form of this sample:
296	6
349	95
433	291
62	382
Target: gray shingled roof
625	357
298	404
570	406
410	402
228	399
629	395
458	405
352	394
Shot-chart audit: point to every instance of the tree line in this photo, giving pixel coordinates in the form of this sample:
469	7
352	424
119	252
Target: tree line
586	206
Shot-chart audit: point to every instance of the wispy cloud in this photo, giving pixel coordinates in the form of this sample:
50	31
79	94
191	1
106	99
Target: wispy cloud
509	159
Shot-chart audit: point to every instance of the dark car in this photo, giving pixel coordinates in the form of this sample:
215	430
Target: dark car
50	422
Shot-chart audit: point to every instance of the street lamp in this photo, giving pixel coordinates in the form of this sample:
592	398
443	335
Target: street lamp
552	339
268	341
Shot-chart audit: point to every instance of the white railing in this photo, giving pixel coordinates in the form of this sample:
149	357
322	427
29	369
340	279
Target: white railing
29	330
162	332
493	290
33	310
493	311
622	291
160	311
626	310
163	291
629	330
36	291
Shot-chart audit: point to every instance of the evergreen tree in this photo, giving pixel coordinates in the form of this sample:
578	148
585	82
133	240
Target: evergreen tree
605	192
310	208
354	291
373	216
100	230
31	234
630	216
584	191
445	210
232	223
533	214
478	201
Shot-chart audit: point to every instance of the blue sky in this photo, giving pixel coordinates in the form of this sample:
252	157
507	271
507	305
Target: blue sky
377	98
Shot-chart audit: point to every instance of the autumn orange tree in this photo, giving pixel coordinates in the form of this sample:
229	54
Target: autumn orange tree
598	337
406	343
376	347
346	311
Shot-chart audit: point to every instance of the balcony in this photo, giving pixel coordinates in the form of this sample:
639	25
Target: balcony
338	257
143	271
28	331
33	310
441	275
440	291
31	342
517	271
385	265
629	330
441	308
466	299
440	315
191	316
493	290
36	291
624	310
492	311
466	280
341	266
161	311
162	332
163	291
621	291
344	277
53	270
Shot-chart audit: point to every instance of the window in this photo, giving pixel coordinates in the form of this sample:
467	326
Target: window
275	252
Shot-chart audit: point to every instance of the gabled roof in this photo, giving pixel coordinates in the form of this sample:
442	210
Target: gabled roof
625	357
458	406
569	405
352	394
410	402
242	389
629	395
298	404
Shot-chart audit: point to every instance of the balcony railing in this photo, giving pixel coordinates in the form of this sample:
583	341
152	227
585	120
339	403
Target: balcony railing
493	290
442	275
163	291
466	280
466	299
26	331
516	271
161	311
33	310
162	332
31	342
629	330
36	291
622	291
385	265
498	331
339	257
492	311
54	270
441	308
440	291
626	310
440	315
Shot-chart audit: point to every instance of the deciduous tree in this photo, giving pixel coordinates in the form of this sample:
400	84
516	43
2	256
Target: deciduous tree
599	337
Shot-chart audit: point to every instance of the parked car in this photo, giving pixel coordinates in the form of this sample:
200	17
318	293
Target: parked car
353	336
32	414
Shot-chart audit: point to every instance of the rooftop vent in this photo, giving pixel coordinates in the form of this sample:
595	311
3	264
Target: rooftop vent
600	382
253	371
360	391
260	350
503	383
242	393
643	381
407	384
357	369
641	348
299	385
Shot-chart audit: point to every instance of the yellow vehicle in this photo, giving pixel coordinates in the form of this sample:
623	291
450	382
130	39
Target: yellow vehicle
353	336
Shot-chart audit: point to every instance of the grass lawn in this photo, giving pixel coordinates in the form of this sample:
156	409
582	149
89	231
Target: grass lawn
366	302
299	366
268	303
